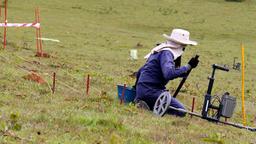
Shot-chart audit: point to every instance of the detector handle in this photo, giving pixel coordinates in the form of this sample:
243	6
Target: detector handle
215	66
183	80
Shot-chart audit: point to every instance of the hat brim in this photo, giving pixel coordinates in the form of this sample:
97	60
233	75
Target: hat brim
188	42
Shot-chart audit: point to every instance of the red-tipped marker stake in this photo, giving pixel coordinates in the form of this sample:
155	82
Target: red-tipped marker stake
0	10
122	100
5	21
37	34
53	82
193	105
88	84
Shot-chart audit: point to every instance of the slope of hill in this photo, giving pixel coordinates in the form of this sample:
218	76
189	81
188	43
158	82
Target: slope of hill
95	38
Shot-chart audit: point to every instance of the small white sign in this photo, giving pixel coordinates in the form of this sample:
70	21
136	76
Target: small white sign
134	54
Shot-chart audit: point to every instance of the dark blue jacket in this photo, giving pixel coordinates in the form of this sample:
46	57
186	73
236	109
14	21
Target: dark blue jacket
155	74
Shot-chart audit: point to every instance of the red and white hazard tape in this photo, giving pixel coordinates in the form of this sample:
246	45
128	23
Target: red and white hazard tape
35	25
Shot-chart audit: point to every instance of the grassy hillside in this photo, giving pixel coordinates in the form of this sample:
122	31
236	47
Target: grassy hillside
95	38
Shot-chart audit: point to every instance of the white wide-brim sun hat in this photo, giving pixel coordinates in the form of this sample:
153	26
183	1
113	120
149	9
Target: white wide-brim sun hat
180	36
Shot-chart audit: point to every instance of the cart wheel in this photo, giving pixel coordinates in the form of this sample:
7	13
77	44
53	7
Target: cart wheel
162	104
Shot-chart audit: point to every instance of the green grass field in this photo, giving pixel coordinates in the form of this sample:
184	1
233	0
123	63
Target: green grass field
95	38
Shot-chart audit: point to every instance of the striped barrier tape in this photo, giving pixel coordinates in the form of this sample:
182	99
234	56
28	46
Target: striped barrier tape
35	25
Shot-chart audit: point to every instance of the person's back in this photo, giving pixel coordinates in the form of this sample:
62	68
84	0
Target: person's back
151	72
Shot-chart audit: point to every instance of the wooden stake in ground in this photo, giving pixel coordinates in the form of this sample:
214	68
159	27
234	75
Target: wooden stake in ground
0	10
193	105
53	82
37	34
39	44
243	108
122	99
5	21
88	84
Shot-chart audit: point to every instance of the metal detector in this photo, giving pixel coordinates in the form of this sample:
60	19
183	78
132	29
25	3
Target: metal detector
236	65
225	108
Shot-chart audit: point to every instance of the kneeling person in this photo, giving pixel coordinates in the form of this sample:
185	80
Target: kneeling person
162	65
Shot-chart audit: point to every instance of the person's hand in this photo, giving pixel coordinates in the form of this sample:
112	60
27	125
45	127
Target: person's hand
193	62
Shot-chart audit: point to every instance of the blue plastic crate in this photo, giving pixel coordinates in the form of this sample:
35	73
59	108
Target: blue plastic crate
129	94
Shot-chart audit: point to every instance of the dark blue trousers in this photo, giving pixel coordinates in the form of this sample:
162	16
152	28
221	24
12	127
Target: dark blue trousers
177	104
150	94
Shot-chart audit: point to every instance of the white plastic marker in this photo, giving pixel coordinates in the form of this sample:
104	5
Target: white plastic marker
48	39
133	54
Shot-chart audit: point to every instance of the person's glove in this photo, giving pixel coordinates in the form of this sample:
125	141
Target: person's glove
193	62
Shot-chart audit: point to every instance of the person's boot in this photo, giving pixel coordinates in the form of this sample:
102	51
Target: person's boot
142	105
